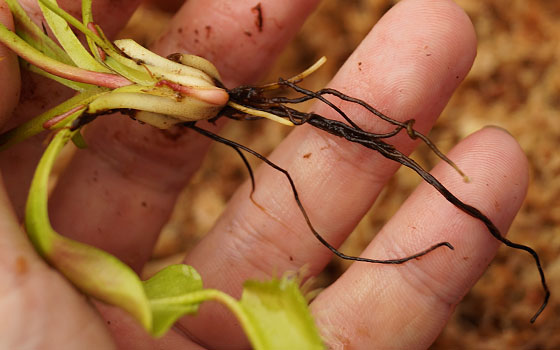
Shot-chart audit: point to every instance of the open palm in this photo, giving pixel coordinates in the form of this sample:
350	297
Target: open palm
118	193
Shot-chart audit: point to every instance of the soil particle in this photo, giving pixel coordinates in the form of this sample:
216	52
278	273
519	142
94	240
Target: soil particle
257	10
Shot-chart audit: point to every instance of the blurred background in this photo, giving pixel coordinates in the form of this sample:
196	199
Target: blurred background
515	84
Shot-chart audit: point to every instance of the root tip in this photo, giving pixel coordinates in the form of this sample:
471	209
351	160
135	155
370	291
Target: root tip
541	309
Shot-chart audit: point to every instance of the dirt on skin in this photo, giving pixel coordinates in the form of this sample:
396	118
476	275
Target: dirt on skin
515	84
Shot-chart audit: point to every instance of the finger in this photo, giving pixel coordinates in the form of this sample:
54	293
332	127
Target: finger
406	306
40	94
130	175
9	71
242	39
408	66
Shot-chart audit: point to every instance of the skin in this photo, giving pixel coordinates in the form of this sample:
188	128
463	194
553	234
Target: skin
408	66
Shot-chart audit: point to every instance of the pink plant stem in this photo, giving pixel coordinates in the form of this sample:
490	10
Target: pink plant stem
56	119
213	95
28	53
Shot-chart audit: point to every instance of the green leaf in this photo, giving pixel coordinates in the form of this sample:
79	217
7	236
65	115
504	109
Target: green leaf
280	316
78	140
118	63
32	55
34	36
101	276
93	271
66	37
34	126
87	12
273	314
37	222
87	18
166	291
72	21
129	69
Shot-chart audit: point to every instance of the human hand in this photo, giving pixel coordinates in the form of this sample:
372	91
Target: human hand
118	193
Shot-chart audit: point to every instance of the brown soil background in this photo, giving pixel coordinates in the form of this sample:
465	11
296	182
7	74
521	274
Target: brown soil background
515	84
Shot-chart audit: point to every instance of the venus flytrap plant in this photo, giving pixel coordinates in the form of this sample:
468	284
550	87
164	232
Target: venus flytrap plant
181	90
